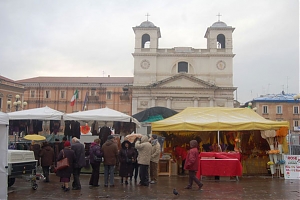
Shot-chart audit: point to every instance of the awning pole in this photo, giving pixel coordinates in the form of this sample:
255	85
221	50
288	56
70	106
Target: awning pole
289	143
218	137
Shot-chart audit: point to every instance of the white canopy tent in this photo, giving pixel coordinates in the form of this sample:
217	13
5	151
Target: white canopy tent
44	113
4	121
102	114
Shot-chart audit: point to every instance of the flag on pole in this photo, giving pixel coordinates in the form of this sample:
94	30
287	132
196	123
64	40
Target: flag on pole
85	101
74	97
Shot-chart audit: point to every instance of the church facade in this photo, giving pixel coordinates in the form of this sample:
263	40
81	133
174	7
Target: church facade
181	77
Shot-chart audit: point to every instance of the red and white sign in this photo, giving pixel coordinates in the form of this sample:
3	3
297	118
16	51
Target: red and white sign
292	167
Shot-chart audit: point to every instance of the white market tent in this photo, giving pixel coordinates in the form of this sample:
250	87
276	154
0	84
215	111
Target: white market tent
4	121
44	113
102	114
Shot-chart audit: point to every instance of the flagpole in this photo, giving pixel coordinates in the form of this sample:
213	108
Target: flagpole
76	105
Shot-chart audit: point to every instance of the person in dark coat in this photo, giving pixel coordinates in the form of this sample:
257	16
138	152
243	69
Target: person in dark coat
95	150
127	157
191	164
47	158
135	164
110	153
65	174
36	148
79	151
104	133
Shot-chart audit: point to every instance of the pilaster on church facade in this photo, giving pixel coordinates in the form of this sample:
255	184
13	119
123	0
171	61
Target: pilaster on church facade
192	77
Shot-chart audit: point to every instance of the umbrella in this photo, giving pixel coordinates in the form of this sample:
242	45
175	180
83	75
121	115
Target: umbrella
34	137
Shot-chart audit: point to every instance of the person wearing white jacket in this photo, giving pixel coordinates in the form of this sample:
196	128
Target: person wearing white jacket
144	149
155	154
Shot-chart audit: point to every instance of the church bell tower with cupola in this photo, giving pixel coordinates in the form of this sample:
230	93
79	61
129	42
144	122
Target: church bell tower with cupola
145	53
219	36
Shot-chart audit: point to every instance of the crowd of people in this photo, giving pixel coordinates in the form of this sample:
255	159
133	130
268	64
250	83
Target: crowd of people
132	159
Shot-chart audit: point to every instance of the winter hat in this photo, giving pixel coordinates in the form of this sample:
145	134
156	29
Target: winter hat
67	144
154	136
110	137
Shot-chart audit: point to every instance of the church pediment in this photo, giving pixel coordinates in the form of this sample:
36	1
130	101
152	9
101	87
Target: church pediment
182	80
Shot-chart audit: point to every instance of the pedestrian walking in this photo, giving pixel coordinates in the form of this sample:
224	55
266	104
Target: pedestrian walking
110	154
95	160
155	154
191	164
127	157
65	174
144	149
79	151
47	158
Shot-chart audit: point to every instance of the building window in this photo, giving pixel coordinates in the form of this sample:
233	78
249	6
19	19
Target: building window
0	103
108	95
146	41
296	109
93	92
8	105
183	67
32	93
62	94
220	41
278	109
47	94
265	110
296	123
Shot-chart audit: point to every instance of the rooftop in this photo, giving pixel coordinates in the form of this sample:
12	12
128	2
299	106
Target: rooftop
276	98
45	79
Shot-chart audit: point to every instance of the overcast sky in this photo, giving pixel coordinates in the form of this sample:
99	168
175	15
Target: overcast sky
95	38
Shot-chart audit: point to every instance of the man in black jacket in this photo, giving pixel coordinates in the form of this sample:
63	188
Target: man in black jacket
79	150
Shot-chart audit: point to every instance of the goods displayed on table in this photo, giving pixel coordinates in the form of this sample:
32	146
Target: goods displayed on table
275	140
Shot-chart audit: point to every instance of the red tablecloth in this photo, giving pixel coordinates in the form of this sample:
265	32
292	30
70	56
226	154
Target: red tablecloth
225	164
220	155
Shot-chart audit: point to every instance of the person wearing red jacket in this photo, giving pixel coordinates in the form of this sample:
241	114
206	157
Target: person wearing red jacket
191	164
180	152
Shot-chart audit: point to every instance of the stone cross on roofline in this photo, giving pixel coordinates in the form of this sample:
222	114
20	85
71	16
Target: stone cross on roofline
219	15
147	16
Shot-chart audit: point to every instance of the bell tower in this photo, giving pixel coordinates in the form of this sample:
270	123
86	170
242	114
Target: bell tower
145	53
219	36
146	37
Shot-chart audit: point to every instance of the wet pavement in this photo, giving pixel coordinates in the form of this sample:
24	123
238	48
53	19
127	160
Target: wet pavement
260	187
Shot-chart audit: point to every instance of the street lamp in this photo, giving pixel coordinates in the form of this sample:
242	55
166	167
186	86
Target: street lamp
18	103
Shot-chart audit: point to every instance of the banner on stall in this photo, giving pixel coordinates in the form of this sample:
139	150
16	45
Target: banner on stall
292	167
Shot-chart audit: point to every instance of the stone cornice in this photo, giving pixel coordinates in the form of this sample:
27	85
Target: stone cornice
68	85
184	54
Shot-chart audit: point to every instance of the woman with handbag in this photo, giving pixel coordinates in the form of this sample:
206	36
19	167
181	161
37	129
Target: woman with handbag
65	171
95	160
127	157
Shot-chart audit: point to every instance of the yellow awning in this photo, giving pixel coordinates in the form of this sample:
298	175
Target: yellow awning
217	119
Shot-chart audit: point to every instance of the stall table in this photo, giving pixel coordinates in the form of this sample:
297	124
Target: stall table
219	164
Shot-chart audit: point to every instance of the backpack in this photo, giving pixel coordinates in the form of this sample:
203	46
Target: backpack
97	158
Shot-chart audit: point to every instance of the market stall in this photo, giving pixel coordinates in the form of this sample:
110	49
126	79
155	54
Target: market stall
43	120
122	125
44	113
106	115
3	154
102	114
229	129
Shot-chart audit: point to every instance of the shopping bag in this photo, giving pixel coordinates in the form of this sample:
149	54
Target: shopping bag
63	163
